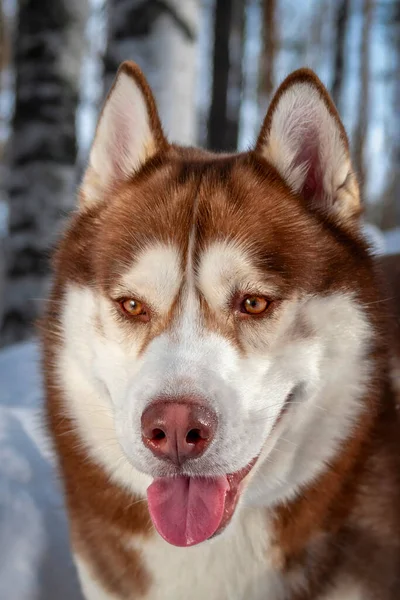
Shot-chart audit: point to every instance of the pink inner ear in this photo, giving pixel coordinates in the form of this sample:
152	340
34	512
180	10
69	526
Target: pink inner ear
119	150
309	155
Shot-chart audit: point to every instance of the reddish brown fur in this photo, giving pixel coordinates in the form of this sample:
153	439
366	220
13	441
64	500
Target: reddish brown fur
340	521
391	270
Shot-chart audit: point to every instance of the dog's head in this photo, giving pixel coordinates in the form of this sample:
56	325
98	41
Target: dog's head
214	340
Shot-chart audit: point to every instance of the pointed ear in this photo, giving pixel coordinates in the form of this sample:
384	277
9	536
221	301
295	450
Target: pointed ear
304	139
128	133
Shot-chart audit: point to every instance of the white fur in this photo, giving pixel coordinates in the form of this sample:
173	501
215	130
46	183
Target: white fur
108	385
226	267
299	113
327	408
156	275
123	141
92	370
234	567
238	566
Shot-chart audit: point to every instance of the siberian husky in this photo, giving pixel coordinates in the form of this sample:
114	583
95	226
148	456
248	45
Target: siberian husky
218	364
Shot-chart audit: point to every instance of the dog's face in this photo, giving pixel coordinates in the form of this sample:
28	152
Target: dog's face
213	332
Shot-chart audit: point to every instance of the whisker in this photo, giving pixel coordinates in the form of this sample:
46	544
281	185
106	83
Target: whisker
380	301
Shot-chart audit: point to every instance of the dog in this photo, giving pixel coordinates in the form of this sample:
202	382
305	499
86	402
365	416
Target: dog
218	363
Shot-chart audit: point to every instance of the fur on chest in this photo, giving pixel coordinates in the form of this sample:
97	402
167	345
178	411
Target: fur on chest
243	564
238	565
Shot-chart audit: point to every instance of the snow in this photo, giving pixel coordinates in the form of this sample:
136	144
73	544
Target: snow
383	242
375	238
35	561
3	218
392	240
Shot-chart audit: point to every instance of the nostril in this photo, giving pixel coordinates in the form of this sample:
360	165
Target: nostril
158	435
194	436
178	430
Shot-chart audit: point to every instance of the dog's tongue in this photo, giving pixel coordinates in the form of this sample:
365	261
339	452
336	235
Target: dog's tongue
187	510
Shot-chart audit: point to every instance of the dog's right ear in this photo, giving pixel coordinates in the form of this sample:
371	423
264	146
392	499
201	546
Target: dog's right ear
128	134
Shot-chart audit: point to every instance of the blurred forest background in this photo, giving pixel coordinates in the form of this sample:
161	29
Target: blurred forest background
213	65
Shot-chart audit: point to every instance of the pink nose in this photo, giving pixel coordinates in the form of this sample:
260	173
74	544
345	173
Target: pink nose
178	430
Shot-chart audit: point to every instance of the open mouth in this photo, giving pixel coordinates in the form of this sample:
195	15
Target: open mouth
189	510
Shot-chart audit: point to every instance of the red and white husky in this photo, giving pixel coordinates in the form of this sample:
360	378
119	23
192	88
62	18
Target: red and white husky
218	367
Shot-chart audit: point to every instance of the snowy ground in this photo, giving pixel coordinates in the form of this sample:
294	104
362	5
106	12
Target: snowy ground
35	562
392	240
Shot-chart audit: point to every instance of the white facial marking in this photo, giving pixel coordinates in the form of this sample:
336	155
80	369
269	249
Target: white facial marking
92	370
226	268
333	373
156	276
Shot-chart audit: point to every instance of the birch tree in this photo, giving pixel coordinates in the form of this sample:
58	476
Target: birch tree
227	80
218	116
4	57
341	24
48	51
267	59
360	132
161	37
236	75
386	213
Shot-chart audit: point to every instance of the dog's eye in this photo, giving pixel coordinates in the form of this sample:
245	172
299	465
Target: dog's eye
254	305
133	307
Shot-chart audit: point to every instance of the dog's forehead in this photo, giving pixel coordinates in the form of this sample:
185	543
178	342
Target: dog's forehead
225	217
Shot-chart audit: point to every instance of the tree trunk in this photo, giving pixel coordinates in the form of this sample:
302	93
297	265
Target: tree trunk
235	78
161	36
267	60
218	117
341	22
4	67
317	42
3	206
3	44
396	133
48	52
227	79
363	104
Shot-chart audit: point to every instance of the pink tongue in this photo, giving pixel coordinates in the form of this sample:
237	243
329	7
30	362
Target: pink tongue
187	510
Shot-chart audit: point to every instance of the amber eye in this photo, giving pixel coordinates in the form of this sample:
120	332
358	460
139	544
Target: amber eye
133	307
254	305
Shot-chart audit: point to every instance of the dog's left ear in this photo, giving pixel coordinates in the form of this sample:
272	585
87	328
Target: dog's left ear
304	139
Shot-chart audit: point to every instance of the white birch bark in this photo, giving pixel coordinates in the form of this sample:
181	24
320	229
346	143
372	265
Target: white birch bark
48	48
161	37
